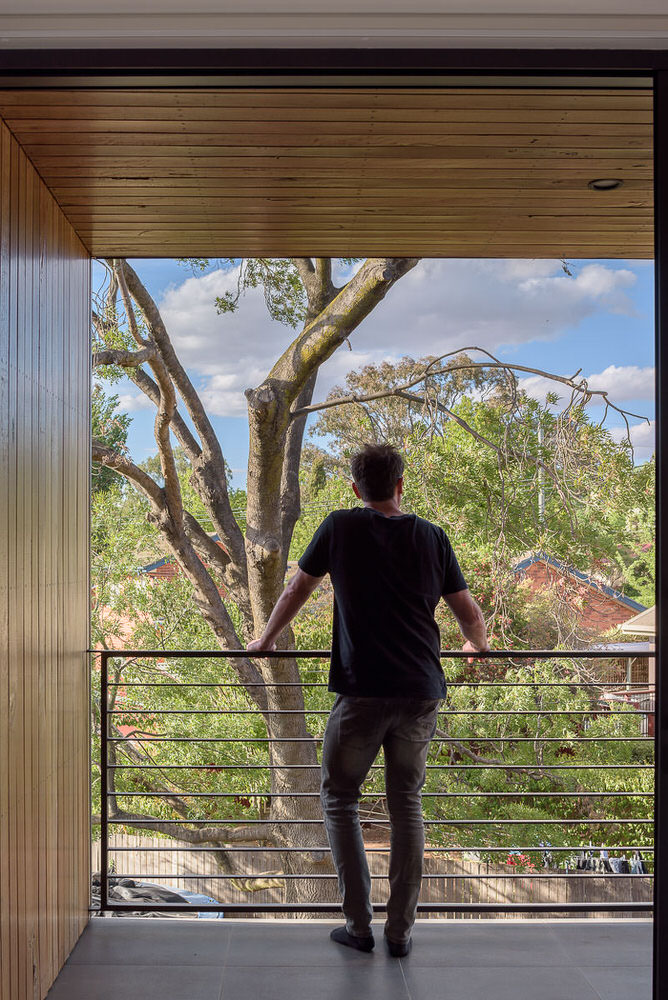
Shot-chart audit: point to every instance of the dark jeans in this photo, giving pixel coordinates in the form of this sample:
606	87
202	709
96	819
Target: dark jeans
356	730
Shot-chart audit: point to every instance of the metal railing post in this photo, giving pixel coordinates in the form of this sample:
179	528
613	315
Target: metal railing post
660	983
104	780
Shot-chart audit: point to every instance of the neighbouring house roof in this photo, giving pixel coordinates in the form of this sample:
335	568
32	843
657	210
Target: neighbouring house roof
590	581
642	624
626	648
166	560
156	565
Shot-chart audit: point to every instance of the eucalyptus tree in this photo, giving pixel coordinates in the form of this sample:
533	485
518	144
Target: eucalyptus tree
131	334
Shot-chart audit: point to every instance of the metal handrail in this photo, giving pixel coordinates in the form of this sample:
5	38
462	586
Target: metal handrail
323	654
139	736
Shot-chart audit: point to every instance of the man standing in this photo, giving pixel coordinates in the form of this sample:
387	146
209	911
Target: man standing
389	571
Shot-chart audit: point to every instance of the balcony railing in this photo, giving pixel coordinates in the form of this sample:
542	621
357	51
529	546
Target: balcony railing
588	739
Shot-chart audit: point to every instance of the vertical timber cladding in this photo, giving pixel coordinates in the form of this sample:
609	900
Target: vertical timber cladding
44	477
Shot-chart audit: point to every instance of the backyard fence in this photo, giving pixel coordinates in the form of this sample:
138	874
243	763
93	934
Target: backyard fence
471	882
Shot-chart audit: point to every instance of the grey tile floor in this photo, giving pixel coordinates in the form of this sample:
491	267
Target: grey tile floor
144	959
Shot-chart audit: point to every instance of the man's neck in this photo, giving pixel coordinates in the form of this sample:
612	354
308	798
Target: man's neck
390	508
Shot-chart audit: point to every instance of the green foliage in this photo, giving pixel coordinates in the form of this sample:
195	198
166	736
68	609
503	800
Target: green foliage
636	529
394	419
116	337
479	774
493	498
133	610
533	762
479	469
278	278
111	428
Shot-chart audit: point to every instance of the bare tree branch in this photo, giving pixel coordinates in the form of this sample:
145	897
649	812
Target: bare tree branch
269	418
208	550
273	505
580	386
122	464
206	594
337	320
290	492
183	433
305	269
201	835
316	277
163	418
124	359
416	398
209	470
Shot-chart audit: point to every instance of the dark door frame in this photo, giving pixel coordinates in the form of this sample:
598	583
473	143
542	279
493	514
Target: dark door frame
378	67
660	959
72	66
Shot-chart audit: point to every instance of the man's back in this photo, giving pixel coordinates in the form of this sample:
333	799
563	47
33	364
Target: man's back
388	575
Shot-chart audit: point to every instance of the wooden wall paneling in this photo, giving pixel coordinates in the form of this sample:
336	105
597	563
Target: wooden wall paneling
55	693
82	720
67	496
22	578
70	679
31	544
23	541
44	463
16	790
42	545
63	557
44	647
53	690
39	544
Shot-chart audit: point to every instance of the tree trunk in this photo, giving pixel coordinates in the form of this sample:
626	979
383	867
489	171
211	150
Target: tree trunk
253	568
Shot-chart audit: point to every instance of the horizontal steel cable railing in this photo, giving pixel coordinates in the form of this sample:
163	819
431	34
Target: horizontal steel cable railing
140	765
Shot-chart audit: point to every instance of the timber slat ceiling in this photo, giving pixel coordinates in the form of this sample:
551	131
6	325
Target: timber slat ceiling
343	172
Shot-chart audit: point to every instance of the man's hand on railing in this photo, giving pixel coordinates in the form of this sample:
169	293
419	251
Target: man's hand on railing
470	647
260	646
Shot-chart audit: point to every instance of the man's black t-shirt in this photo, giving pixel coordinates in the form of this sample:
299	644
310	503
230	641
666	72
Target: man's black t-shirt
388	574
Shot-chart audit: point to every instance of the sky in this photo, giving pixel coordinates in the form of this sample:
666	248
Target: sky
599	318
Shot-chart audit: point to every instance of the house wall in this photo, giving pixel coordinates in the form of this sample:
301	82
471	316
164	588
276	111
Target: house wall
599	611
44	477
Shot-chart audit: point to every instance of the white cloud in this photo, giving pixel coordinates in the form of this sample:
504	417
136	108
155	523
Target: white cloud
642	438
129	402
625	382
595	282
621	382
441	305
231	352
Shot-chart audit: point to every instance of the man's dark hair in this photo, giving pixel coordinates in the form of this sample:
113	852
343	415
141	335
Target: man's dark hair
376	469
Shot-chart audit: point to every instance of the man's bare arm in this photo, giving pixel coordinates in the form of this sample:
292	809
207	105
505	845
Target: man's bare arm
298	590
470	620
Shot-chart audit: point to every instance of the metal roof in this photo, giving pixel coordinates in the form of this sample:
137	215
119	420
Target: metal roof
590	581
